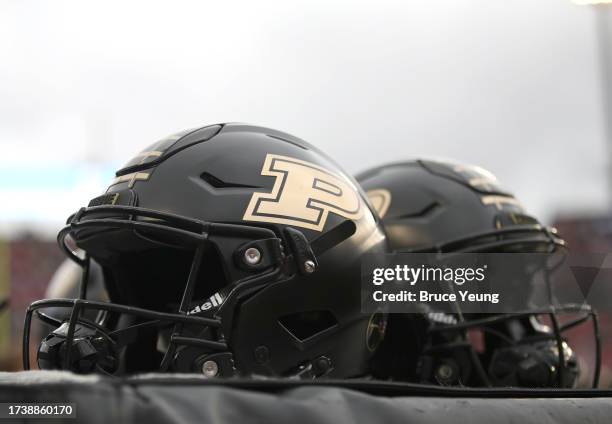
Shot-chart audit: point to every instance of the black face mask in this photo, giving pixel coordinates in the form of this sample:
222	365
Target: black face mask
125	337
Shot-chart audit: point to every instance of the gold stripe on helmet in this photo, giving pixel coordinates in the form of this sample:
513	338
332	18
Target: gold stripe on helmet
131	178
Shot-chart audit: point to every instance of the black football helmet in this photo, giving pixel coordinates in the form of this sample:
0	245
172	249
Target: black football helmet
226	250
445	207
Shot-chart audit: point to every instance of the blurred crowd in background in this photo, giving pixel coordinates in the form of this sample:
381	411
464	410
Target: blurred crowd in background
521	88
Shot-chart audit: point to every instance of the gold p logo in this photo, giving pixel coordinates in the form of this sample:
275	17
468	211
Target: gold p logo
303	195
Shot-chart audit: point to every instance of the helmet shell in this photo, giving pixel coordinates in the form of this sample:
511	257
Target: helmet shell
258	177
425	203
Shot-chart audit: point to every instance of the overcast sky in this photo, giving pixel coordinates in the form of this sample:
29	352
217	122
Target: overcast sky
513	86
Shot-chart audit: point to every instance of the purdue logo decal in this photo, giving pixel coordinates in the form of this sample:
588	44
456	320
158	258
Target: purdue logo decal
303	195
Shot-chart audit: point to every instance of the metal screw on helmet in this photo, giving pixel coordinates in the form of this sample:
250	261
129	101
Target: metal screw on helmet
262	354
322	365
252	256
309	267
445	372
210	369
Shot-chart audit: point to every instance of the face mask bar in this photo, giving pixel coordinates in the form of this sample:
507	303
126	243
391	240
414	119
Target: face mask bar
497	240
494	240
197	232
80	305
557	332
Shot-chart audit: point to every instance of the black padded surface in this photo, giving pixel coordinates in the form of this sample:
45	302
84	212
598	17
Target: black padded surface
192	399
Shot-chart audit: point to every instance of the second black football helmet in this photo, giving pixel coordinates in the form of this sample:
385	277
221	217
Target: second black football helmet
446	207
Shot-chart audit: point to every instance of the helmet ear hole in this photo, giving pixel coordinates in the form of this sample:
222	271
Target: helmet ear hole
304	325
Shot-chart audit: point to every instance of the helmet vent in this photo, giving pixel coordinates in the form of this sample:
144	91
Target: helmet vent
304	325
423	212
219	183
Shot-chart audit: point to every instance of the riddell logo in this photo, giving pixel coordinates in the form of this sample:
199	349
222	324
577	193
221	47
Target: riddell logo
213	302
303	195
